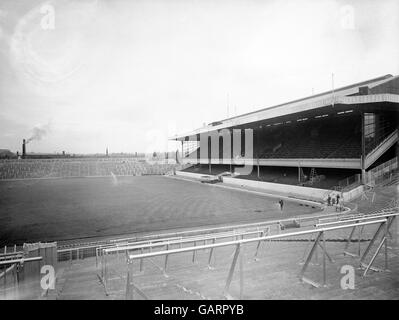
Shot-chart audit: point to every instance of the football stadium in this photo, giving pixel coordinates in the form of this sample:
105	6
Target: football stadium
292	201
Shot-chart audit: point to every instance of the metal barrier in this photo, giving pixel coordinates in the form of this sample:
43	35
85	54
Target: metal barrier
351	181
319	241
378	174
94	249
14	266
11	255
355	218
168	246
392	207
358	219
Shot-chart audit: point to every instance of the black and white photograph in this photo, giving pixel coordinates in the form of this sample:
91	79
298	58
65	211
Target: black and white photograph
202	150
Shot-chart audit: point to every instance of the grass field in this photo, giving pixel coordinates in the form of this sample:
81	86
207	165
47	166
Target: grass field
60	209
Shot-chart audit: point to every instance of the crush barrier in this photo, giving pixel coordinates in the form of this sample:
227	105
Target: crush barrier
167	245
95	249
318	241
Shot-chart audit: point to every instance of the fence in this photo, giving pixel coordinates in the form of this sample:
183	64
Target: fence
94	249
22	265
382	172
349	182
318	241
180	243
16	266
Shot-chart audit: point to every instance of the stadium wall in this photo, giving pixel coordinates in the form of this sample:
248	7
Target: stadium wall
283	189
353	194
273	188
191	175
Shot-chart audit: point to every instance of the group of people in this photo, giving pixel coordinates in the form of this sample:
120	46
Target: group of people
331	201
334	200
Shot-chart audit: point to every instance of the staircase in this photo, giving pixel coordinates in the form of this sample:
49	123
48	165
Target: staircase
379	150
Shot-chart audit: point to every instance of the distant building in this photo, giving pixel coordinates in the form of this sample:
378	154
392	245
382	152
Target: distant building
6	154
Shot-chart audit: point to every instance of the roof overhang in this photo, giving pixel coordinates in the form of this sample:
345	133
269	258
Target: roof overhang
297	107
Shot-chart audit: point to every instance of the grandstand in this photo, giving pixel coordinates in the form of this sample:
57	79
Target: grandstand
331	136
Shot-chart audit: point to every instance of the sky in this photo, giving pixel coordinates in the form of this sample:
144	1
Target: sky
84	75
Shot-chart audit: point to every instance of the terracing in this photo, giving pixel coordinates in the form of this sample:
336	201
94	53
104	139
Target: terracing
80	167
273	275
271	269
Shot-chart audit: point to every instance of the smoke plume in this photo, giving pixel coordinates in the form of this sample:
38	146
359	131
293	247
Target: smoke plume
39	132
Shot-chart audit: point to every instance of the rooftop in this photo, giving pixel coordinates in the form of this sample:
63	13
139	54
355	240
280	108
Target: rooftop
350	94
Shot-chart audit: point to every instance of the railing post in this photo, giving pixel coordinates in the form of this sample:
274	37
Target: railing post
241	276
258	246
349	240
374	256
105	271
371	243
16	283
194	252
358	241
231	271
102	264
324	259
308	259
141	261
129	290
166	258
386	243
210	254
5	281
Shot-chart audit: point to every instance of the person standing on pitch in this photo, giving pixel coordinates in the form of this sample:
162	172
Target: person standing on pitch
281	202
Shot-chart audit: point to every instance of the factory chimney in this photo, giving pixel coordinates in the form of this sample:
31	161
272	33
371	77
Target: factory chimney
23	149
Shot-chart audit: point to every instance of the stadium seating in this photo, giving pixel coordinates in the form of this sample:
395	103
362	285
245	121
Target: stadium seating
285	175
311	140
314	142
61	168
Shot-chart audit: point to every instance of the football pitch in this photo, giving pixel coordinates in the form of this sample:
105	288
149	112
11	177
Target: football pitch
78	208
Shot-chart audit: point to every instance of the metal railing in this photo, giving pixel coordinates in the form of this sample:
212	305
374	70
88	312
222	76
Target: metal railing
356	216
383	137
382	172
318	241
13	266
69	253
351	181
195	240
